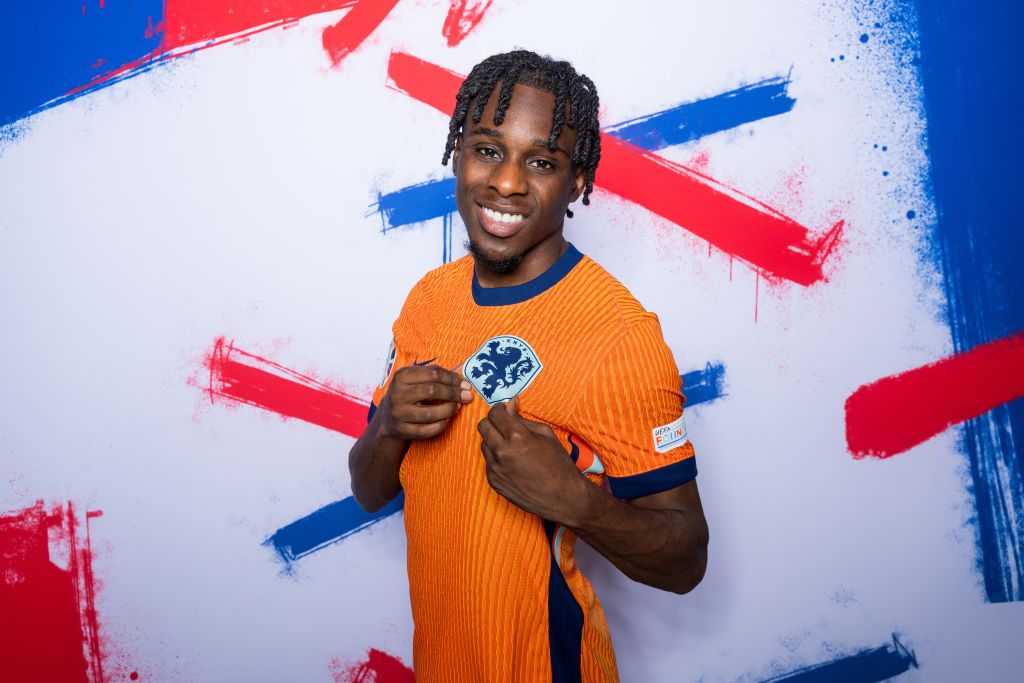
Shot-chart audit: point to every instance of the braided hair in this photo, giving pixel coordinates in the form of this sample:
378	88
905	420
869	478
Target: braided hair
556	77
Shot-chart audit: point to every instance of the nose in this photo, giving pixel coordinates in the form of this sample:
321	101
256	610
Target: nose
508	178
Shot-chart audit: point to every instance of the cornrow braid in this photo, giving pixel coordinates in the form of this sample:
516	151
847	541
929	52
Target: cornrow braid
576	103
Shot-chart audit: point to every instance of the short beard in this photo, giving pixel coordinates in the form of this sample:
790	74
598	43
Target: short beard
502	266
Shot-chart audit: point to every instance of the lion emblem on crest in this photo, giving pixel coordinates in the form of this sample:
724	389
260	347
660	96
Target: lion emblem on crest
502	368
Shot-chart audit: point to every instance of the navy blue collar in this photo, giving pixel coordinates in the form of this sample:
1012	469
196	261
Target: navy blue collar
503	296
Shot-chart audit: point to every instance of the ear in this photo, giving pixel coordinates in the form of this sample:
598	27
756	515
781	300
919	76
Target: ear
579	180
455	155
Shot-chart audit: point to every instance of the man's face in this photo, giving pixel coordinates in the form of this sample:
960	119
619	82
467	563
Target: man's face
511	190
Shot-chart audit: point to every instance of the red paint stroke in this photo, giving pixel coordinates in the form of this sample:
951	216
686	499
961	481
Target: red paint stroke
244	377
737	224
741	226
193	25
463	17
896	413
49	630
355	27
189	22
379	667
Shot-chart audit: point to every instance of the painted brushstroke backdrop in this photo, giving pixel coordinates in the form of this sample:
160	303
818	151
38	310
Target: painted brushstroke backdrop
210	214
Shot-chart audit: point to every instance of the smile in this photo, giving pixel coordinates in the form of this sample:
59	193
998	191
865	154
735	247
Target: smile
499	217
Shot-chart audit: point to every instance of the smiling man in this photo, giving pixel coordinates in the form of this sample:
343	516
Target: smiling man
529	400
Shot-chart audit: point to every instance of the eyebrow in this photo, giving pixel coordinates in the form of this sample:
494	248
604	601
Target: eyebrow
493	133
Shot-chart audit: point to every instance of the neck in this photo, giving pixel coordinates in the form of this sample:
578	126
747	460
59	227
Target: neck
534	262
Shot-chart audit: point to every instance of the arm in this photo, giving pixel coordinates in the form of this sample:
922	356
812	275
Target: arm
660	540
418	405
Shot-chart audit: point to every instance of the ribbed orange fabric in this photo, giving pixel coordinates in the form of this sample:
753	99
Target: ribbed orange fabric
479	566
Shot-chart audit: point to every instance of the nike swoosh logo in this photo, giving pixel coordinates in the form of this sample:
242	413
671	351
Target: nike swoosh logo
426	362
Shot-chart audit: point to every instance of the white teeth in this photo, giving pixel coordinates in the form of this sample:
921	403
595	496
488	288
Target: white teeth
502	217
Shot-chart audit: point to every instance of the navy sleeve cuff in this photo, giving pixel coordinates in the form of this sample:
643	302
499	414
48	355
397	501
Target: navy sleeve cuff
370	412
655	481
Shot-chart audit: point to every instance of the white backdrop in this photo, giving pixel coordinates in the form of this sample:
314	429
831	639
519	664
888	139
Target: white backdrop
229	194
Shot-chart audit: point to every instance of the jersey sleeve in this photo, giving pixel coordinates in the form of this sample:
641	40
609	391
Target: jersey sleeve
631	413
396	358
406	337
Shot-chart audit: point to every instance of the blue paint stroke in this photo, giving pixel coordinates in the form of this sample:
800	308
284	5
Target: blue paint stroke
682	123
694	120
50	48
969	59
416	203
704	386
866	666
327	525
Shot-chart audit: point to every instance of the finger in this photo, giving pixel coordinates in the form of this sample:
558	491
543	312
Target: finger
538	427
464	383
505	423
490	434
436	391
426	431
415	374
426	414
488	452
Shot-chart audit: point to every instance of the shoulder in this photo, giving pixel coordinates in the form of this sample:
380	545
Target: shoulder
439	283
624	341
610	305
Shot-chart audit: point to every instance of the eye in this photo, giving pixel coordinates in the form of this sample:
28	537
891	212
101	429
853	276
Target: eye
544	164
487	152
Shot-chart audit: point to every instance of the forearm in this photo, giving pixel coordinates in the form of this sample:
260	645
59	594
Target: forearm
373	464
664	548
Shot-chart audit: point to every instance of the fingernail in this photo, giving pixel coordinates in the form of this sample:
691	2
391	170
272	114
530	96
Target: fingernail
466	395
466	385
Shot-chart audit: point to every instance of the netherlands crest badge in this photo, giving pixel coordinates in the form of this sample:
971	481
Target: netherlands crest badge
502	368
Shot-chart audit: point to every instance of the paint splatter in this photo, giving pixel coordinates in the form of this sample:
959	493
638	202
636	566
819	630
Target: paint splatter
379	667
463	16
866	666
780	247
896	413
243	377
50	628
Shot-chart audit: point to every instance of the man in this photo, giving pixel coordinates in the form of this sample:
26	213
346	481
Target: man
528	400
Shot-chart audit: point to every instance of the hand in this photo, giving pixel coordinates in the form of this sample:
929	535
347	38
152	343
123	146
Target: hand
421	401
527	464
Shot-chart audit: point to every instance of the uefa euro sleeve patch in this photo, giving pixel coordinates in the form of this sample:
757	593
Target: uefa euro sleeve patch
669	436
502	368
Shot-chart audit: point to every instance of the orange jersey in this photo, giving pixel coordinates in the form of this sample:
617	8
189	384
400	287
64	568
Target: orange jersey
495	591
